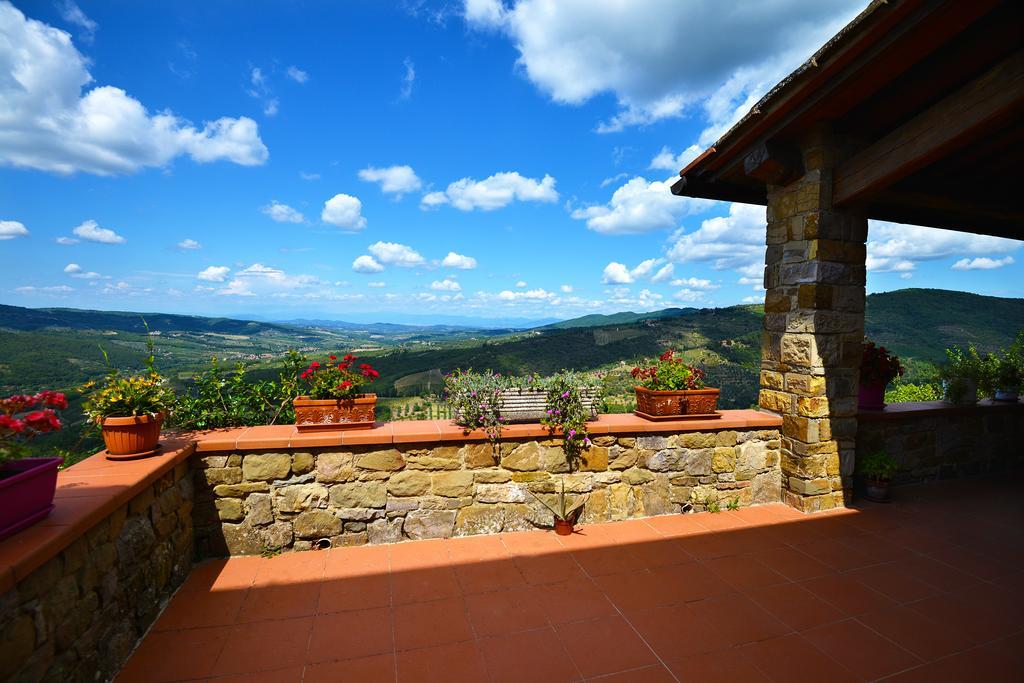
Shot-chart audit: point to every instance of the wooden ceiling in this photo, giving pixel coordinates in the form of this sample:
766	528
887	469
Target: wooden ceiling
926	99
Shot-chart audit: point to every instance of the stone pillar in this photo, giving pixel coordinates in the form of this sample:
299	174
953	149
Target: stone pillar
813	328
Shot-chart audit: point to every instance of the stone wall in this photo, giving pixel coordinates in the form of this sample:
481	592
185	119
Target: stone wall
251	502
944	445
78	616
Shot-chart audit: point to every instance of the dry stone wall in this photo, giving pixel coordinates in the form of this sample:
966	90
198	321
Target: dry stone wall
252	502
78	616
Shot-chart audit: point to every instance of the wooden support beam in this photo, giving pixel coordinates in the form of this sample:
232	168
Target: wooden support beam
948	212
774	163
942	128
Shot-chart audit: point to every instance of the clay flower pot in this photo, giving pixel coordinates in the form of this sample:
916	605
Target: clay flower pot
357	412
563	527
131	437
26	489
655	405
871	396
877	490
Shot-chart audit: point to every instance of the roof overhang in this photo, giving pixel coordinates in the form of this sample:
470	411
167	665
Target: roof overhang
925	100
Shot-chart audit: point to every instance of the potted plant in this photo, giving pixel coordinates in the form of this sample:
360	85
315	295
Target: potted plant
27	484
877	471
671	388
962	374
565	515
130	409
877	368
333	398
1008	372
570	404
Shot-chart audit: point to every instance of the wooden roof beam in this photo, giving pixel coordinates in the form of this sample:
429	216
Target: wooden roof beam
942	128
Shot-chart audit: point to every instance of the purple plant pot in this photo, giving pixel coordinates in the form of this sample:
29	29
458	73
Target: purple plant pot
26	489
871	396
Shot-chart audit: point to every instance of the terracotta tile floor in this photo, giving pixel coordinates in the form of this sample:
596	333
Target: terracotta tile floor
928	588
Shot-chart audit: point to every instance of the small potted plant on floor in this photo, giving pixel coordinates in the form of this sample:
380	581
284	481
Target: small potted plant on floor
333	397
877	368
27	484
963	373
130	409
877	471
565	514
671	388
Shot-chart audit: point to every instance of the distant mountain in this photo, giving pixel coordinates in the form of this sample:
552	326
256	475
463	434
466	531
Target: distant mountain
599	320
412	320
31	319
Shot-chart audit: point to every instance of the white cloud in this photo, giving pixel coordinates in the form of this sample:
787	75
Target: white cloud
282	213
982	263
528	295
189	243
639	206
408	78
753	299
446	285
50	125
494	192
214	274
664	273
297	74
566	289
616	274
645	268
11	229
521	284
66	241
90	231
72	13
895	247
344	211
394	254
396	180
366	264
665	160
694	283
689	295
453	260
575	50
309	176
733	241
52	290
614	179
260	280
76	271
377	284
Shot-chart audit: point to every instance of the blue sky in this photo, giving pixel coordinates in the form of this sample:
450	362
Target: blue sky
377	160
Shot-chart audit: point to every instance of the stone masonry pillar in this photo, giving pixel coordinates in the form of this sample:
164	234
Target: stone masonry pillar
813	328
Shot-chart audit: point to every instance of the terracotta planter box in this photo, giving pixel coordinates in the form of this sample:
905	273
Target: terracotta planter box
346	413
131	437
26	489
668	404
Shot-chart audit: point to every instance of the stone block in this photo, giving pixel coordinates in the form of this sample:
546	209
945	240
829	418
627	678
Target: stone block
229	509
389	460
479	519
213	476
724	459
452	484
277	535
302	463
594	459
301	497
430	463
525	457
259	510
809	487
664	460
636	476
266	466
360	494
500	493
492	476
314	524
422	524
652	443
698	440
751	456
384	531
621	458
334	467
240	490
479	455
409	483
696	461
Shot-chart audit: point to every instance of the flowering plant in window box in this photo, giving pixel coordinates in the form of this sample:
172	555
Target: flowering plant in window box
27	485
670	388
333	397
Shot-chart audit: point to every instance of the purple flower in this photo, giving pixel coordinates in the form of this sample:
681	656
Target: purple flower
565	395
572	433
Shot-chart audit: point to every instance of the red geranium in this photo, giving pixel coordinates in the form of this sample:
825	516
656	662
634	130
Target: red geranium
19	422
669	373
878	366
336	381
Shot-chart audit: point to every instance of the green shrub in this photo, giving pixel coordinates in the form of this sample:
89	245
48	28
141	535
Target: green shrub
878	465
907	392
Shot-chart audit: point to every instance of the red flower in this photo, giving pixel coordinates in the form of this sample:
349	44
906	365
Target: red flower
333	357
345	385
11	424
349	358
314	364
667	355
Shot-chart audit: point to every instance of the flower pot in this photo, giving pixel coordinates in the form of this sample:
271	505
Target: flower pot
26	489
131	437
877	490
667	404
357	412
1009	395
871	396
563	527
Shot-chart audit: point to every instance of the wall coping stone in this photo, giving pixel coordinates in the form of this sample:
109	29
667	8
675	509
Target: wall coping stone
87	493
269	437
926	409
